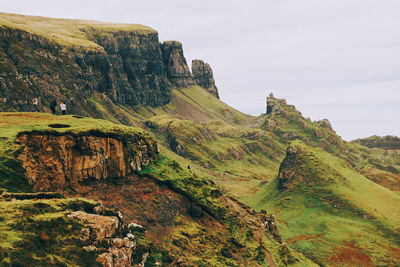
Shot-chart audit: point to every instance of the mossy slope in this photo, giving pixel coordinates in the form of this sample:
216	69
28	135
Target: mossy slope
331	213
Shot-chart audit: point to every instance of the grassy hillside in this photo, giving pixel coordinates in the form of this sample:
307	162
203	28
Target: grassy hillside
66	32
34	232
331	213
185	239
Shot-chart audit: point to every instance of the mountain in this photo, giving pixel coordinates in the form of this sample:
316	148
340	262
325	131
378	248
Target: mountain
173	175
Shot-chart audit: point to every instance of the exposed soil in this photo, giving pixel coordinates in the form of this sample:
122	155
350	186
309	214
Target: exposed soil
350	254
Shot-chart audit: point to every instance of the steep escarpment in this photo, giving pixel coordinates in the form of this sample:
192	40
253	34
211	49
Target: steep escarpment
204	77
76	61
56	161
129	70
177	69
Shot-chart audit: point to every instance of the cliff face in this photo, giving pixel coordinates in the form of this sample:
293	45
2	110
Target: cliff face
177	70
203	76
128	67
58	162
129	70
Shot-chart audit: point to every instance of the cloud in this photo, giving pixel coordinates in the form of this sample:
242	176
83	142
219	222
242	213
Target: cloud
338	59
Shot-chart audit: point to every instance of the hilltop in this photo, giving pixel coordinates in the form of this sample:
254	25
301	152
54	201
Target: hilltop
67	32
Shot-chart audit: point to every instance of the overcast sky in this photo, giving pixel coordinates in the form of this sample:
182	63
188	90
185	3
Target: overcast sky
335	59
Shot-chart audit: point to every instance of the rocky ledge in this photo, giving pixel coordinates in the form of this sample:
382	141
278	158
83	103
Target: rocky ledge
58	161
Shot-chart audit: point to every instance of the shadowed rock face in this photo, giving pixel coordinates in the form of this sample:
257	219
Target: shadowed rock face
177	69
128	69
55	162
203	76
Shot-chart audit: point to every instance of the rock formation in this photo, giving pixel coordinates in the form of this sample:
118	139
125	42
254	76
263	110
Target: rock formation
102	230
274	105
203	76
178	72
57	162
129	70
127	67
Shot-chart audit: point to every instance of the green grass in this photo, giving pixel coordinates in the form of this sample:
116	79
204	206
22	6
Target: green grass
38	232
12	123
328	205
67	32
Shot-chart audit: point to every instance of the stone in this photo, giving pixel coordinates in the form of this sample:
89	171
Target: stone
128	68
325	123
102	227
105	260
178	72
85	234
203	76
57	162
117	242
90	248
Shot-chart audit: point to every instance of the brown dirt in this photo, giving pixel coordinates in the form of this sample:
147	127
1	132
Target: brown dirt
242	179
349	254
389	180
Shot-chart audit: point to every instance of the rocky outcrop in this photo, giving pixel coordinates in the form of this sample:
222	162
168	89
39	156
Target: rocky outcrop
325	123
61	161
386	142
100	227
177	69
128	69
269	222
203	76
275	105
102	234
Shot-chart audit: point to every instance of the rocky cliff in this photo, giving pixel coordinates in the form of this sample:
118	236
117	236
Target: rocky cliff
55	161
127	65
204	77
177	69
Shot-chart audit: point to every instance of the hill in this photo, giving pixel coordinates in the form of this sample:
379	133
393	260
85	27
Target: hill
386	142
331	213
184	218
151	140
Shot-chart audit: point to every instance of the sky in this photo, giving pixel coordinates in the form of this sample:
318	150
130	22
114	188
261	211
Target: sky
334	59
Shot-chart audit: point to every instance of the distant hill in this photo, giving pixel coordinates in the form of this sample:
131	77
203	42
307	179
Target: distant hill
385	142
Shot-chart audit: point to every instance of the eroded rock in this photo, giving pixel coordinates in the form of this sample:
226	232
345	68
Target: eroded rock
203	76
58	162
101	227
